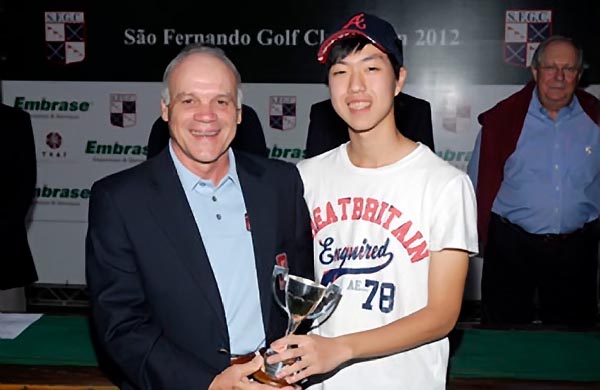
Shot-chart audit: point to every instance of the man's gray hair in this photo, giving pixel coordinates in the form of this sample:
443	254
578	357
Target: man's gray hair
536	60
200	49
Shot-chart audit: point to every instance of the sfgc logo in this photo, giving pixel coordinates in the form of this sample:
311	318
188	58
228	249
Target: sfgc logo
123	109
65	37
524	30
282	112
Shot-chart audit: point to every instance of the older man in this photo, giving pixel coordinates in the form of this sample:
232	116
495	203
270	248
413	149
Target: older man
536	167
181	248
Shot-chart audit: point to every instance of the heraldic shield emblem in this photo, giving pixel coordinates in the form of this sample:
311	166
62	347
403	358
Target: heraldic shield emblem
65	37
282	112
524	30
123	109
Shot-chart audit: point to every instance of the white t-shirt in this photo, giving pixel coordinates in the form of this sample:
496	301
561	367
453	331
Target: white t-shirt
373	230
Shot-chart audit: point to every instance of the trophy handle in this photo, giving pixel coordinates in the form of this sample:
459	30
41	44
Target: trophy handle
331	297
277	272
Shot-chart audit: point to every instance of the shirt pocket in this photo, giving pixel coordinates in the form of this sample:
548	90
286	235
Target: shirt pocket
585	168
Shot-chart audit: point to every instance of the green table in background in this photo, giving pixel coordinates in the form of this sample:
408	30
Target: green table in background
51	340
507	359
526	354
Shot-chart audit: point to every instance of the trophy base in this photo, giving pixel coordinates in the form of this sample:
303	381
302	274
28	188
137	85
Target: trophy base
263	377
260	375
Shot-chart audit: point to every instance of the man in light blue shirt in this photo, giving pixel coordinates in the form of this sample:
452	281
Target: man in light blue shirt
181	248
536	169
220	215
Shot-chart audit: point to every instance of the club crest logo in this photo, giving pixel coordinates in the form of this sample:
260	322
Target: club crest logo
123	109
456	113
65	37
282	112
281	260
247	221
524	30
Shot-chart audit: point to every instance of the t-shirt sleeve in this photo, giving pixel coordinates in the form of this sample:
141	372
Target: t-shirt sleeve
455	217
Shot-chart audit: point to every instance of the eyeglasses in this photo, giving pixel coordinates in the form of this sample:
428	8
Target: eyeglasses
567	71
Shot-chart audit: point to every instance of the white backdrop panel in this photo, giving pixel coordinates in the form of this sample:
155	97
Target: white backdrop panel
79	145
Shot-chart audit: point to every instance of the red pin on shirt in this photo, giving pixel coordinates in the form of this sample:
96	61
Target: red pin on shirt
247	222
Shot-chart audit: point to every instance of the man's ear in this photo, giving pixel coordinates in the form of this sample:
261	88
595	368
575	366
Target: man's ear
239	115
400	82
534	73
579	74
164	111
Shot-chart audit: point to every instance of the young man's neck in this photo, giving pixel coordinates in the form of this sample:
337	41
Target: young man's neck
374	149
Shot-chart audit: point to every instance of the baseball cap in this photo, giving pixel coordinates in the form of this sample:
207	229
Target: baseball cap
376	30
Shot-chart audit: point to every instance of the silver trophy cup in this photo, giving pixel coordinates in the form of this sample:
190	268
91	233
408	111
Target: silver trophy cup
304	299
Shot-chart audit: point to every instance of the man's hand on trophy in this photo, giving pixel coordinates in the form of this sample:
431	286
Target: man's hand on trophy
236	377
312	354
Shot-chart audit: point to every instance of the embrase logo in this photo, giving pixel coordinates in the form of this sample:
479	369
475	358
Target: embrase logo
51	105
115	149
62	193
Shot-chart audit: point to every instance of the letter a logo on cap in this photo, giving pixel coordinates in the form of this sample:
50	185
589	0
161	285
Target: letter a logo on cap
358	21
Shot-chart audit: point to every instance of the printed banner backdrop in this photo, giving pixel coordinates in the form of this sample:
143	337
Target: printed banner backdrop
471	41
89	74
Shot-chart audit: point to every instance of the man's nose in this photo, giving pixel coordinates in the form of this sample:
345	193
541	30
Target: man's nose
357	82
205	112
559	74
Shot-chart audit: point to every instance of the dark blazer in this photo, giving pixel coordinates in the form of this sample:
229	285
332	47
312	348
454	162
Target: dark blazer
249	136
326	130
18	179
155	301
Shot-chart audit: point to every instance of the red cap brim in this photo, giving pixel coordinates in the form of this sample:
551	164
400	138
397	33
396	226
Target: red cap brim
327	44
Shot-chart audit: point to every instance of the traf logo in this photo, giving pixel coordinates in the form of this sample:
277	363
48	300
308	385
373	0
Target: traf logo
282	112
524	30
122	109
65	37
53	142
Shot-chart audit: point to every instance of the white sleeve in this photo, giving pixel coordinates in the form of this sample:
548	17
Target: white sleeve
455	217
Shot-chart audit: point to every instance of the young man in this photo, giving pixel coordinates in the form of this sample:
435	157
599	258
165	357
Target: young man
393	225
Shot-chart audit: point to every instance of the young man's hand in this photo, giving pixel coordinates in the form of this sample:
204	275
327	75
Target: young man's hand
312	354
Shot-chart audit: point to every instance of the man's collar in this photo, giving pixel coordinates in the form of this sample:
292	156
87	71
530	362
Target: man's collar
536	104
189	180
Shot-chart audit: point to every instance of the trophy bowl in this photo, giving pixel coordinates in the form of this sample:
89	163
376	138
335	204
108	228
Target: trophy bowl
303	299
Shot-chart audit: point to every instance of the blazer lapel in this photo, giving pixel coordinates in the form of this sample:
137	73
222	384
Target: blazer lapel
169	205
259	202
